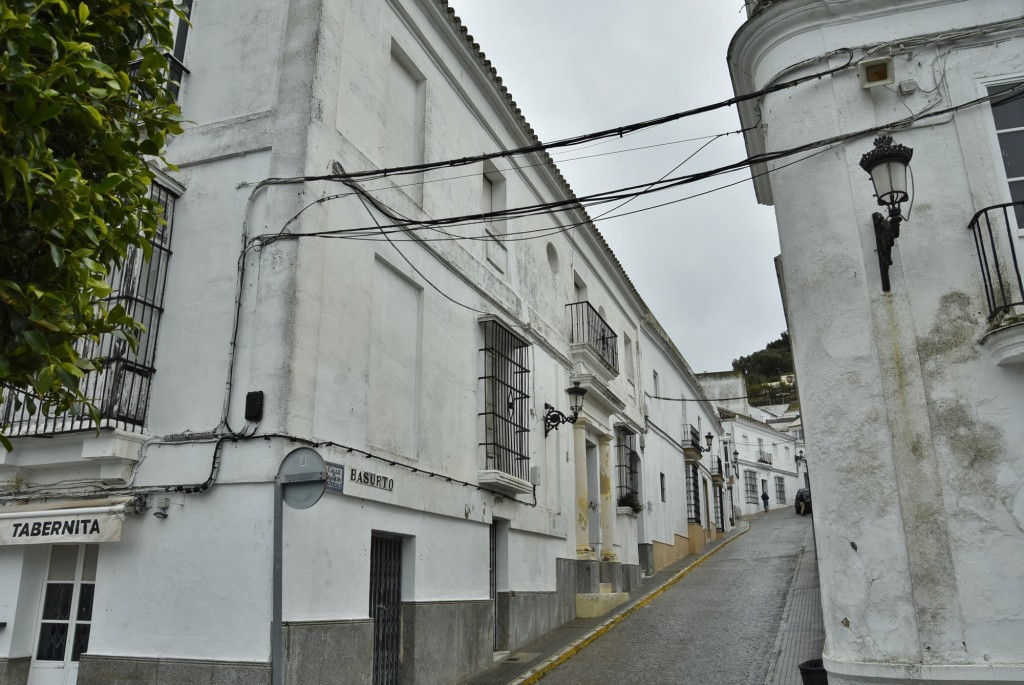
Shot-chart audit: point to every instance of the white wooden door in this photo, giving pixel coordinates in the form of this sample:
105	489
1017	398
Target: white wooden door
65	615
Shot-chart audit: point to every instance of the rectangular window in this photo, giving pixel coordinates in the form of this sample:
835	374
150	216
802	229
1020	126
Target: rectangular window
780	489
750	486
1008	114
392	423
493	199
657	387
693	494
627	352
506	382
628	467
662	487
406	120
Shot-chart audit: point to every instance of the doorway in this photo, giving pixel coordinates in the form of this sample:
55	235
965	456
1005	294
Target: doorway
385	607
499	581
65	615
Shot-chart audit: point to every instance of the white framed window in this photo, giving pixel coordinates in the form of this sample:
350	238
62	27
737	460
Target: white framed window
493	198
1008	114
750	486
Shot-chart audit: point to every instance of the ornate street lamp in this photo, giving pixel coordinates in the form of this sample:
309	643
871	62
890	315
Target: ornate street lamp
887	164
554	418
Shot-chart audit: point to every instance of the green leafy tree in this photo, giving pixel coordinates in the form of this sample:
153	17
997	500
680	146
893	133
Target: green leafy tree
84	101
763	368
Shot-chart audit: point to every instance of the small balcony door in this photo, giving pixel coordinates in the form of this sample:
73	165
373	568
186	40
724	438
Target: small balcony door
65	615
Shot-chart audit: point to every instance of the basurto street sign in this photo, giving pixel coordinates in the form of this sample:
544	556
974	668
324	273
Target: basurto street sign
372	479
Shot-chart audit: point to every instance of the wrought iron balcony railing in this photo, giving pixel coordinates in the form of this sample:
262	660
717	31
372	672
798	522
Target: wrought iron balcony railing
691	437
587	326
764	457
994	231
120	389
173	74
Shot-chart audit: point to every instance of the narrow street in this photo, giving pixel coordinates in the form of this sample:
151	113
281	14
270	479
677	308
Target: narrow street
717	625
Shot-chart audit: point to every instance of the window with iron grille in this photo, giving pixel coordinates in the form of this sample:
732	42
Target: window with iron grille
780	489
120	389
506	376
750	486
719	526
628	466
692	494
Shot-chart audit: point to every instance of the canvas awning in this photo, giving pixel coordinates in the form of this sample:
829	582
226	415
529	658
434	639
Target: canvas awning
69	521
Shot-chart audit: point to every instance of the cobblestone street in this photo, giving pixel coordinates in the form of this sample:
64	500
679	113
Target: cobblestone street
718	625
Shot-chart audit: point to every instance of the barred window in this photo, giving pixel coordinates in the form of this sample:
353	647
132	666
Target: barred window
780	489
120	388
750	486
506	376
628	467
693	494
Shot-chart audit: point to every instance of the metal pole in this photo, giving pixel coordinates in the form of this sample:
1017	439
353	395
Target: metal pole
276	646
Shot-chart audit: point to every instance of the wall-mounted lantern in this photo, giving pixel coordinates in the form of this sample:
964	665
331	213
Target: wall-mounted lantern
887	164
554	418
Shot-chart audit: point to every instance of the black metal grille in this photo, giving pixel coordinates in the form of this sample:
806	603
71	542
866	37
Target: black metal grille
587	326
994	238
691	435
120	389
506	401
628	466
719	526
716	468
750	486
693	492
780	489
385	608
173	74
764	457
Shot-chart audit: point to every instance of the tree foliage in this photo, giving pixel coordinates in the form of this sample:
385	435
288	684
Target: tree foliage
83	103
763	368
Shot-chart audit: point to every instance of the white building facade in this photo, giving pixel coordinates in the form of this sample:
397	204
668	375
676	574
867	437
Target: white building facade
911	393
289	311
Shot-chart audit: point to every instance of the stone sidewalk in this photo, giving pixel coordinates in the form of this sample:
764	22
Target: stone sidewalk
800	636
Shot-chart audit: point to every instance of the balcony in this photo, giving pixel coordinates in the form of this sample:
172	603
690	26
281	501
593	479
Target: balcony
589	331
692	450
764	457
173	74
120	393
995	240
717	476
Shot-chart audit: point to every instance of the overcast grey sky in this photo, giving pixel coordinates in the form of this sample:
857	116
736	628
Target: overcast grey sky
704	266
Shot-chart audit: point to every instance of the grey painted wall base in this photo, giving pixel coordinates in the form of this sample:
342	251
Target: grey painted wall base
588	575
322	652
123	670
443	642
646	557
631	575
611	573
14	671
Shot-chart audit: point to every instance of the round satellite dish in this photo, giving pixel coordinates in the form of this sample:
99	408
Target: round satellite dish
303	476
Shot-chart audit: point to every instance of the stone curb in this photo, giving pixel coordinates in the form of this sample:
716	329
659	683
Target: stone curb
532	676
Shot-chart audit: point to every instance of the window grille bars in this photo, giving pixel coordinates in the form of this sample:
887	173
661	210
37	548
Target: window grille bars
628	466
506	401
120	389
750	486
780	489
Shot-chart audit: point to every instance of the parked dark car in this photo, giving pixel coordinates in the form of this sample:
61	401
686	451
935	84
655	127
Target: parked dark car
802	503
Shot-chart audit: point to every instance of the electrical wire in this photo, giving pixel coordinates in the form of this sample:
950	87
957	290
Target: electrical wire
577	203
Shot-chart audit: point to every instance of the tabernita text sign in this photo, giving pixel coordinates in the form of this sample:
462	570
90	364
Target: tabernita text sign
55	528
